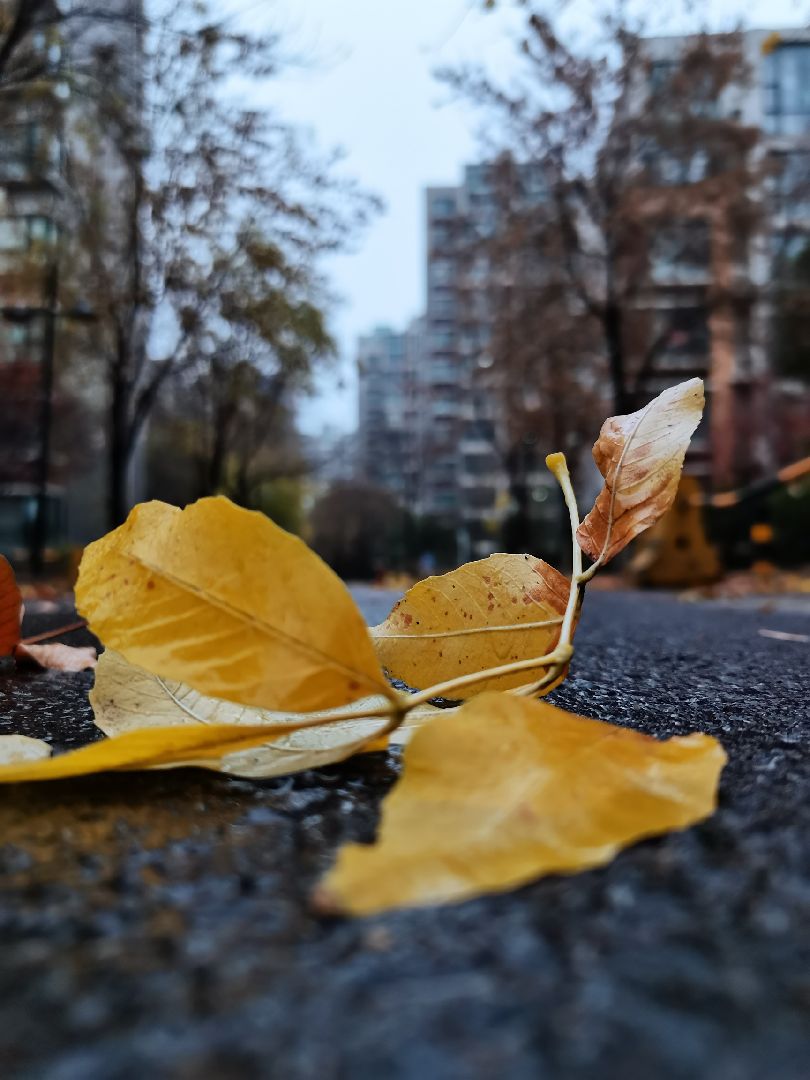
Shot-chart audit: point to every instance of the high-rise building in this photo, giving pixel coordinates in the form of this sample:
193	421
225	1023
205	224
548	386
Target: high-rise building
391	423
383	379
715	281
465	441
42	125
708	301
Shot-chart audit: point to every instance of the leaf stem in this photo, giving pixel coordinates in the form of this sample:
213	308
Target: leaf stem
442	689
68	628
559	467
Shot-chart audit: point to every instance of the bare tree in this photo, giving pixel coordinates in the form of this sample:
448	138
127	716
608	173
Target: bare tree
165	240
637	164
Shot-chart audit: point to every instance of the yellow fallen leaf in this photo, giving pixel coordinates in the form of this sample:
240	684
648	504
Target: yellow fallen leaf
126	698
508	789
224	600
202	745
640	456
486	613
22	748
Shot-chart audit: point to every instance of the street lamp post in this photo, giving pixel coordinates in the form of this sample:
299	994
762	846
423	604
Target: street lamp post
50	313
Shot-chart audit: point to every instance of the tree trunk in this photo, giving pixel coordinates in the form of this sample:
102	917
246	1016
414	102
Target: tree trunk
119	451
215	468
612	322
517	528
242	485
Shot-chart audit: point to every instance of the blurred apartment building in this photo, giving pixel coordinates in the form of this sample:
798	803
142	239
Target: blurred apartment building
388	451
42	123
428	426
714	281
429	430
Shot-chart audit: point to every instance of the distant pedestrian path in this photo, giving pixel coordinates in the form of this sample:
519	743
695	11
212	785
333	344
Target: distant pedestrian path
373	602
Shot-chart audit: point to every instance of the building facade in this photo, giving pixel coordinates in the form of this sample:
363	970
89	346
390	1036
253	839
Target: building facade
430	423
715	282
381	410
43	124
707	300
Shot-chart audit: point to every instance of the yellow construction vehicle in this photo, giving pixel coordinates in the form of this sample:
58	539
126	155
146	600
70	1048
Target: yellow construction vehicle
676	553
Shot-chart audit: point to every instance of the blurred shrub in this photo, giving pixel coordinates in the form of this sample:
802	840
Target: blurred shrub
790	512
360	531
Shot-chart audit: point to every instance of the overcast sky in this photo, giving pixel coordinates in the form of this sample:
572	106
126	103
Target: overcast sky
371	92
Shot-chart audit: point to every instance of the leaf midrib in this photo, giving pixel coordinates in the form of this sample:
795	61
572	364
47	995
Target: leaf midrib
275	633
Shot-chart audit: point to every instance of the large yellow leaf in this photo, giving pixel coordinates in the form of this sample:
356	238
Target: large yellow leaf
640	456
222	599
508	789
126	698
486	613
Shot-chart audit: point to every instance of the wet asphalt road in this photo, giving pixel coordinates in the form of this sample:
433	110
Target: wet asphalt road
157	926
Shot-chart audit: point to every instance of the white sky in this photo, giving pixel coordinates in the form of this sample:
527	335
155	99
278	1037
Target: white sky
371	91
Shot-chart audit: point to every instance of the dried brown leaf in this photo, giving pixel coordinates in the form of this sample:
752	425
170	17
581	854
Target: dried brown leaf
640	456
57	656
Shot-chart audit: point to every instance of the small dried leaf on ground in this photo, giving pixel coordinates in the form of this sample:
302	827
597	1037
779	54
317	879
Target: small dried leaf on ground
482	615
22	748
10	608
508	789
783	635
224	600
57	656
640	456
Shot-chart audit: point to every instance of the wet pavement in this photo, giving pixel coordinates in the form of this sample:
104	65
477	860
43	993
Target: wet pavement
157	925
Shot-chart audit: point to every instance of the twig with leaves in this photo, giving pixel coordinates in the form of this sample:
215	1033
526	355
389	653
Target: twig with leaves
238	650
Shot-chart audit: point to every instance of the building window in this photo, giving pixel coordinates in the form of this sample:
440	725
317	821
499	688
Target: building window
791	258
680	252
668	168
441	272
21	233
442	340
786	88
684	336
25	150
443	206
21	342
443	302
792	182
19	236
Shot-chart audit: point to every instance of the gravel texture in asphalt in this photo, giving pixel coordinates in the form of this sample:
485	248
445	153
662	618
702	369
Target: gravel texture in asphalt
156	925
